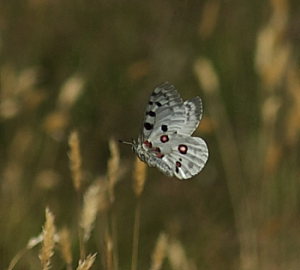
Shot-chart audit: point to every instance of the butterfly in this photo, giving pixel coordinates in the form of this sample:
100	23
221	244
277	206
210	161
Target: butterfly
165	141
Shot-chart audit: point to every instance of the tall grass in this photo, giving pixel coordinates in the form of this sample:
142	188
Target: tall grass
255	186
138	186
96	200
74	75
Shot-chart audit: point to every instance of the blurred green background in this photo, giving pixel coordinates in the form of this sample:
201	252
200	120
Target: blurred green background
91	65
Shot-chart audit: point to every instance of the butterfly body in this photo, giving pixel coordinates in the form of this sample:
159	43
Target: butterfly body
165	141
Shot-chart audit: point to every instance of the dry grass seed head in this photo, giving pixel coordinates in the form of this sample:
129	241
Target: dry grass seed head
177	256
270	110
47	179
159	252
16	89
48	244
75	160
90	209
87	263
209	18
273	52
65	246
114	170
139	176
55	123
103	200
70	92
206	75
272	56
293	117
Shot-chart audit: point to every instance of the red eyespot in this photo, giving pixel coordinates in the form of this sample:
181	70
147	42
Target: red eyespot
178	164
182	148
164	138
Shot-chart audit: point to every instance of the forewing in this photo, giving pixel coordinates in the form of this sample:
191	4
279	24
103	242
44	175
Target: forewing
179	119
164	101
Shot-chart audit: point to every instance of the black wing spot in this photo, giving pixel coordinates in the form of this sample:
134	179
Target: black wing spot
177	166
164	128
150	103
158	103
148	126
151	113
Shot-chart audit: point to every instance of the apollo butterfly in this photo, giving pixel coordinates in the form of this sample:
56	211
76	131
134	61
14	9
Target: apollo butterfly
165	141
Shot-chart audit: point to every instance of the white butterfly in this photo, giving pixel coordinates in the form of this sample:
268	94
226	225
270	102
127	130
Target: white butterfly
165	141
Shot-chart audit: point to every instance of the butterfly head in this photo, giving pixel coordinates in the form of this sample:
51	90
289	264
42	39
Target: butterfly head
137	147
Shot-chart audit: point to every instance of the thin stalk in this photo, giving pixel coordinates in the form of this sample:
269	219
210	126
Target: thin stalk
136	234
114	238
80	231
16	259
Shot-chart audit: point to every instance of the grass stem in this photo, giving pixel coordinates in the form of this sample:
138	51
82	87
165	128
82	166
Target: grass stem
136	234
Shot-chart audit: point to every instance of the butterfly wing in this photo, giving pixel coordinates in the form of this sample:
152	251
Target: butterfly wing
163	102
193	114
180	119
168	125
187	156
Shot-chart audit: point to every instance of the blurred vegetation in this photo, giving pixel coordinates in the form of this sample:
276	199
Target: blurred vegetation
90	67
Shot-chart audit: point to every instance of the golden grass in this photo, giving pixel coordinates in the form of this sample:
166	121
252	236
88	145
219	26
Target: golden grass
160	252
90	209
86	263
70	92
136	235
34	241
293	118
139	176
48	244
65	246
260	167
109	252
114	170
75	160
273	51
253	199
206	75
209	18
114	173
16	86
230	155
177	256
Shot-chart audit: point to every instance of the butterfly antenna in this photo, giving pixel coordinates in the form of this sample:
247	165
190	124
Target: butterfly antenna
121	141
